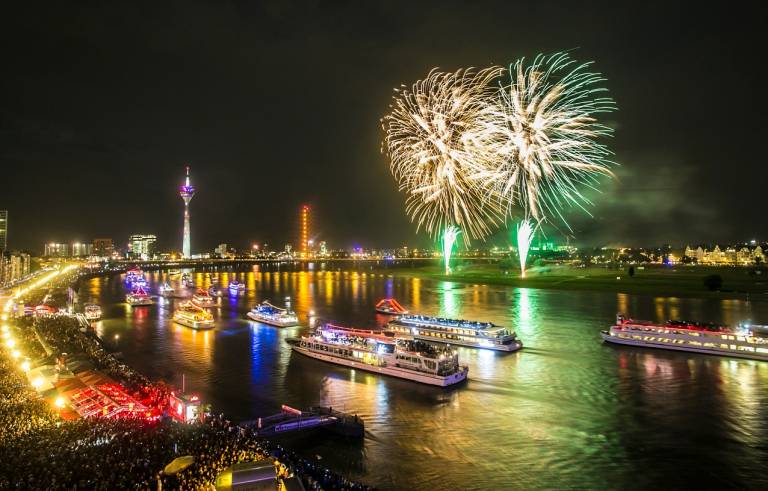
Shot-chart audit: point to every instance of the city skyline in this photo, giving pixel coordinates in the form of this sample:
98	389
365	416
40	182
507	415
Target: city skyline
258	150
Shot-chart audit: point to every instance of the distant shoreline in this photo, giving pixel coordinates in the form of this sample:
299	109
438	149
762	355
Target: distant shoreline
739	283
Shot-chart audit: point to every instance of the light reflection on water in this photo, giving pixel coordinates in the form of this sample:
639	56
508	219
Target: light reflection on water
566	412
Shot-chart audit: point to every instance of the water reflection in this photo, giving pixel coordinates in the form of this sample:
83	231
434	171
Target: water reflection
566	412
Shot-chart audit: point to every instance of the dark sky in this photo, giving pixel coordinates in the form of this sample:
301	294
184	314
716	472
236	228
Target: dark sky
275	104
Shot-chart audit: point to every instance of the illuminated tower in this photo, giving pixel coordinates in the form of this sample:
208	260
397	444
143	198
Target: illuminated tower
186	191
305	231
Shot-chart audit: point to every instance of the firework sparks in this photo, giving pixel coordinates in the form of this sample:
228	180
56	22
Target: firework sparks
450	235
434	141
545	131
524	238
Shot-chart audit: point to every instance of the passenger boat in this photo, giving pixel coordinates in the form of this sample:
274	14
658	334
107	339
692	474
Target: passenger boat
138	297
275	316
166	290
215	292
174	272
203	299
472	334
390	306
375	352
236	287
135	277
190	315
741	342
92	312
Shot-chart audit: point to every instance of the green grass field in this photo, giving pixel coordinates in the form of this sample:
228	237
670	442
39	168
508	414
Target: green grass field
678	281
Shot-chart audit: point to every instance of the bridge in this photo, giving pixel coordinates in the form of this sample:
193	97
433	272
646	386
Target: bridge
291	420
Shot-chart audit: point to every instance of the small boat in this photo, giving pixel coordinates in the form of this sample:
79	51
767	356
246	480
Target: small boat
190	315
215	292
203	299
274	316
376	352
166	290
92	312
236	287
138	297
390	306
741	342
174	272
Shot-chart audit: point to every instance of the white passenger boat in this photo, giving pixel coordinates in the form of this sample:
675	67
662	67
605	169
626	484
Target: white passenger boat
92	312
215	292
472	334
375	352
190	315
203	299
741	342
138	297
236	287
166	290
275	316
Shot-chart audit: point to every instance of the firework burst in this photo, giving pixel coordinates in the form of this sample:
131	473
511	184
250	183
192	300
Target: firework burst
437	151
544	130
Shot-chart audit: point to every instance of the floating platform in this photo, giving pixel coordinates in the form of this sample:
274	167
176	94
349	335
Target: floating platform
291	420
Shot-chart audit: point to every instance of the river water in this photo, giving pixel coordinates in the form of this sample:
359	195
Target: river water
566	412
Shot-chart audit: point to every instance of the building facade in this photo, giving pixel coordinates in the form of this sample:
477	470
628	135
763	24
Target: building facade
742	255
3	230
141	246
14	266
81	249
56	249
103	247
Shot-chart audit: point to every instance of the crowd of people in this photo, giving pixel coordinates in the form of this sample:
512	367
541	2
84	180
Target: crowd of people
38	450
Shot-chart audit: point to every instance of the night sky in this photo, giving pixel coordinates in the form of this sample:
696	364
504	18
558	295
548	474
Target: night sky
275	104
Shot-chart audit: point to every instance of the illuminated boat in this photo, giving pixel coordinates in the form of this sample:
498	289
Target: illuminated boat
203	299
190	315
274	316
92	312
235	287
215	292
174	272
138	297
133	273
45	310
472	334
390	306
166	290
375	352
186	281
742	342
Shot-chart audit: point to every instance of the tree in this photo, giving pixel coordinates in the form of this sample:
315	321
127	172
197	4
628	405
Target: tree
631	271
713	282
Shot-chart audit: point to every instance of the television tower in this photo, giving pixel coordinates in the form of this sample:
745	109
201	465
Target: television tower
186	191
305	231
